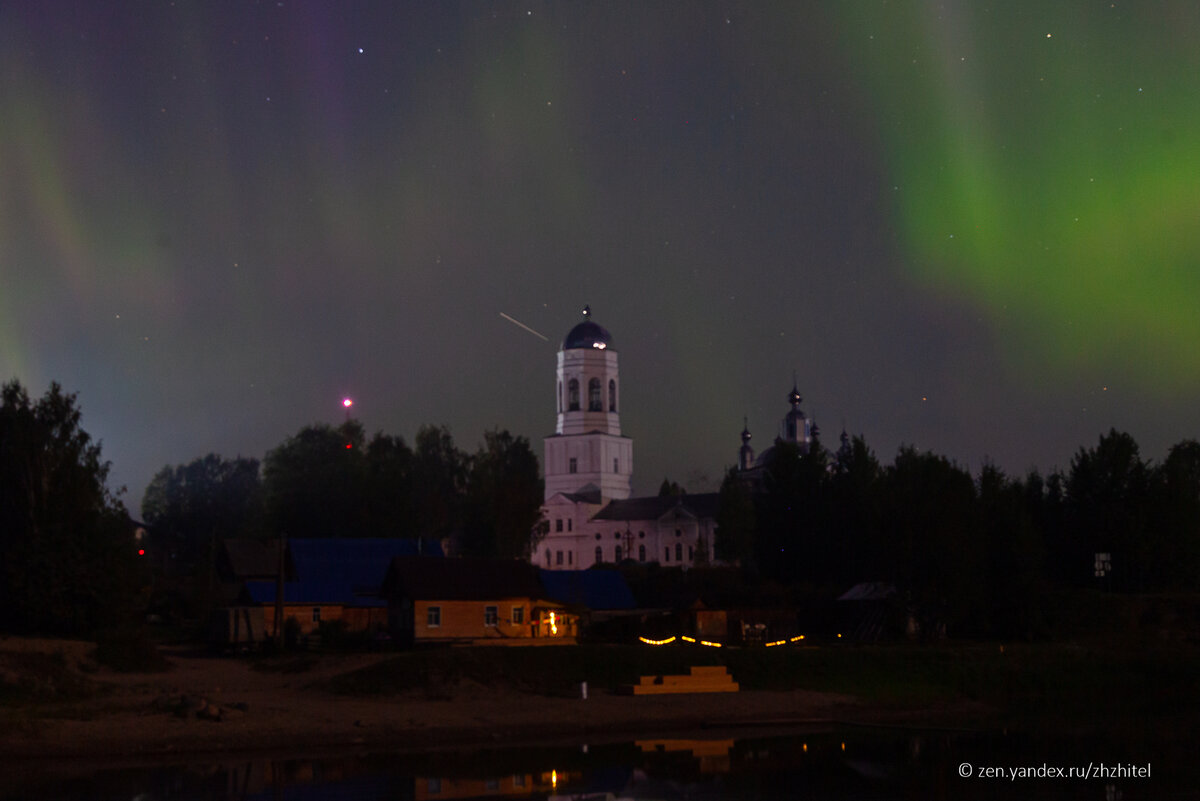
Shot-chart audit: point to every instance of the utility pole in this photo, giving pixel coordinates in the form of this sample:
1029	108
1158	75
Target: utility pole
279	593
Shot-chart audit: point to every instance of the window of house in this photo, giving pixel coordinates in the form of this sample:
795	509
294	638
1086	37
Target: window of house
678	532
491	785
616	535
679	552
617	554
570	557
573	395
641	535
667	554
612	395
615	464
518	615
518	780
594	395
599	554
558	557
547	557
490	615
572	464
641	553
316	614
691	554
558	524
569	521
433	617
433	786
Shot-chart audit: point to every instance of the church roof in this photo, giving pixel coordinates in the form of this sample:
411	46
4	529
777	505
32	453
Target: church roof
703	505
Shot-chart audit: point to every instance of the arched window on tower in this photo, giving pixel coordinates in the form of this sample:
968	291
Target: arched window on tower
594	396
612	395
573	395
560	397
641	553
599	555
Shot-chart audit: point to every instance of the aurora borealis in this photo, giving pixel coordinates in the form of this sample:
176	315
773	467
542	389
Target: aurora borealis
972	229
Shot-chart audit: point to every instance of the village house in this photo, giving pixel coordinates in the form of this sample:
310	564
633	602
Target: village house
473	601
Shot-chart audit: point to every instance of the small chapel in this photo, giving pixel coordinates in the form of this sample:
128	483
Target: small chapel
588	469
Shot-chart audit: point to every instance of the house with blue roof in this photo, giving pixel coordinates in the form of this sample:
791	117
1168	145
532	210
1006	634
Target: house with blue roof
325	580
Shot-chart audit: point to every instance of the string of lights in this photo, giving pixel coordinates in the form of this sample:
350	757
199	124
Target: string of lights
711	644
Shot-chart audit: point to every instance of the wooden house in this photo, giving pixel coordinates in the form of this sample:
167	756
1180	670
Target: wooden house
473	601
325	581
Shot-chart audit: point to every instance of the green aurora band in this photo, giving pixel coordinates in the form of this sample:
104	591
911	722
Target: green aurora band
1043	165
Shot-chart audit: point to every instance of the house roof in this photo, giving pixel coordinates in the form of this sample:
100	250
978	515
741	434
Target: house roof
253	558
655	507
340	571
595	589
426	579
361	564
317	592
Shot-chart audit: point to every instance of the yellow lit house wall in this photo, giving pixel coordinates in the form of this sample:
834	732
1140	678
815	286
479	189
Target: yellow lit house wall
469	620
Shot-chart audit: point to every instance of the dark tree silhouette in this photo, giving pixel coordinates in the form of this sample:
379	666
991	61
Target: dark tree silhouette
68	560
314	484
503	498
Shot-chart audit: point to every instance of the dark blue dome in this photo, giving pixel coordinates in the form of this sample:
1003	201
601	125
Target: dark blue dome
587	335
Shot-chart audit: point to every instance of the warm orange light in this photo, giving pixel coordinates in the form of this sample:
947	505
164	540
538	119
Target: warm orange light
554	778
710	644
657	642
686	638
553	624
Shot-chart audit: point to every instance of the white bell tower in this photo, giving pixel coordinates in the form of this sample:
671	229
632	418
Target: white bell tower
586	452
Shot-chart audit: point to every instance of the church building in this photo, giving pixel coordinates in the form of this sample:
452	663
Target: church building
588	467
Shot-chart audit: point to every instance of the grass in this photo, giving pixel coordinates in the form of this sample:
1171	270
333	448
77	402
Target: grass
1030	683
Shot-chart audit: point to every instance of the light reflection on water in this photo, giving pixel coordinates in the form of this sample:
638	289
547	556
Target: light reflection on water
854	764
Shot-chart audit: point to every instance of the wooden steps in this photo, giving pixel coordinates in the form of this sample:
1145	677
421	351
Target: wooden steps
715	679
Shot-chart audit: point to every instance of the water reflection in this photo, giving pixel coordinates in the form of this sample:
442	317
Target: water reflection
831	764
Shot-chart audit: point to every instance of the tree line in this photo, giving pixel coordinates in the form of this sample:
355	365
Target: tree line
976	553
979	554
331	481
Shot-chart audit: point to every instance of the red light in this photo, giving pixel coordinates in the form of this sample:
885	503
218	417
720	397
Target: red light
141	551
349	445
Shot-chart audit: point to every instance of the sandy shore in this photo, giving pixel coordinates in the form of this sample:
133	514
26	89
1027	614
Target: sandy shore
137	716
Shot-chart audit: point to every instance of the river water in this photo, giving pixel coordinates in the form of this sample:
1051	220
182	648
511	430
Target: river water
834	764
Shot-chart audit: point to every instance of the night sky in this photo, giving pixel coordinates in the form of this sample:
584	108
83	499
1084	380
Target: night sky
975	230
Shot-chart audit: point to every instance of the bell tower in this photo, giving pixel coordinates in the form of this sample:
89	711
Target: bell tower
586	452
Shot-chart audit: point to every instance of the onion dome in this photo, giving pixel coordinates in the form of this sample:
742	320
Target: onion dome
587	335
794	396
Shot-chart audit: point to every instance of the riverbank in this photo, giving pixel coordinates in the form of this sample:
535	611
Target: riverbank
206	704
59	703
